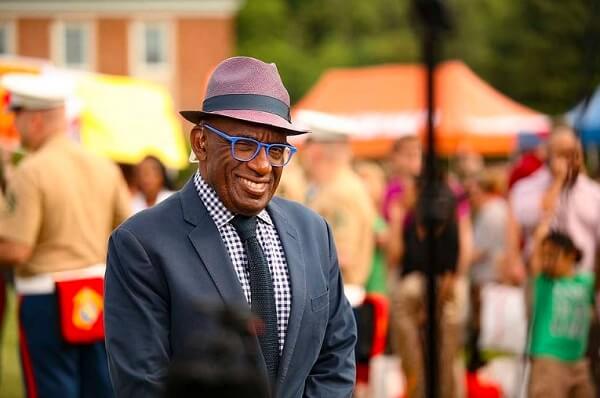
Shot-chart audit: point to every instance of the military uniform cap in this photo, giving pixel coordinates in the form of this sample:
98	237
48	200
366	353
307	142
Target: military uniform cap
329	135
33	92
328	128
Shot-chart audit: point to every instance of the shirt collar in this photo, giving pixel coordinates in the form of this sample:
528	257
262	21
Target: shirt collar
216	209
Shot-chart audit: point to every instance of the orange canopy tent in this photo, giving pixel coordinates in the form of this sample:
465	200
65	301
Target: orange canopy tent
381	103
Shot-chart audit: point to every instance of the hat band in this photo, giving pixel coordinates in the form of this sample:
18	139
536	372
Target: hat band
252	102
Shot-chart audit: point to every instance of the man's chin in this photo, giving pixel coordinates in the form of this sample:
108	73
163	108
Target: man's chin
249	212
251	208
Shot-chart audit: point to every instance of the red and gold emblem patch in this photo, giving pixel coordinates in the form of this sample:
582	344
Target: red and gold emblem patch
87	308
81	310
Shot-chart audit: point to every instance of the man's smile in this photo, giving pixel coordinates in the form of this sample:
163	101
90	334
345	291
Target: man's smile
254	187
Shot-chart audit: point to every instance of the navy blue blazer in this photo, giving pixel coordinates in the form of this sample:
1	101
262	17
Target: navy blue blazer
164	260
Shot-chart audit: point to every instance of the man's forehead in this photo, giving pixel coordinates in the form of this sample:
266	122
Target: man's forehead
235	127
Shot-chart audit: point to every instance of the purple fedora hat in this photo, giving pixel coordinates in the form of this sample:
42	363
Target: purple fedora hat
247	89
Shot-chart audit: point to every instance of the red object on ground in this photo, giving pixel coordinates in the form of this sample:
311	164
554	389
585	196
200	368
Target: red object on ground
527	164
381	306
362	373
478	389
381	311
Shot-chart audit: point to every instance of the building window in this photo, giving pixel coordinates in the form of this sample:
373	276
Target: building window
7	38
151	50
73	43
155	44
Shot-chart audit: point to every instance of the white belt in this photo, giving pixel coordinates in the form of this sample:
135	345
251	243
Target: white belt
44	283
355	294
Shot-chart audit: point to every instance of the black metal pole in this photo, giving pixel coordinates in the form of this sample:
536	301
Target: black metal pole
430	189
433	17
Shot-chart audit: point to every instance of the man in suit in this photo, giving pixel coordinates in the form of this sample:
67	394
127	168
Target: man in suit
225	239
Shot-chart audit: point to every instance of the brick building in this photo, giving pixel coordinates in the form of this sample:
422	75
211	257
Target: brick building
172	42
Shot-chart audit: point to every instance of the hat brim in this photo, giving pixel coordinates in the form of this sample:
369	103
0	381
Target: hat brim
259	117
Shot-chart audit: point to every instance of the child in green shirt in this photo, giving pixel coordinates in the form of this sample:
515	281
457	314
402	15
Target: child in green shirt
562	308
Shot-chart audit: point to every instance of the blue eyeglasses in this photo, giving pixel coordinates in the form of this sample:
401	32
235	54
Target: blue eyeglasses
245	149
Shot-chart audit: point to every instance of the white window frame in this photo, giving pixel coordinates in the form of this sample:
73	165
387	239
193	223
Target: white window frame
11	36
159	72
58	50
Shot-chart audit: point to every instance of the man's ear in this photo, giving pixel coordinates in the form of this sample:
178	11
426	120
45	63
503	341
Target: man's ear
198	142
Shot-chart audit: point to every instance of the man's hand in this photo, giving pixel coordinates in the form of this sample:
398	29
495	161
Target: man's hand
559	166
574	168
566	167
13	254
395	247
396	211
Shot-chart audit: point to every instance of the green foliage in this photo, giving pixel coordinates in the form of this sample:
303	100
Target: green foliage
305	37
539	52
553	55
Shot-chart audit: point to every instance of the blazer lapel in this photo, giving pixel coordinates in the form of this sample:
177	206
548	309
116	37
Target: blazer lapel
289	239
206	239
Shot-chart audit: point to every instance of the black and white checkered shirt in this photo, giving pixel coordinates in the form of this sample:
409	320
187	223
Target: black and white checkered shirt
271	245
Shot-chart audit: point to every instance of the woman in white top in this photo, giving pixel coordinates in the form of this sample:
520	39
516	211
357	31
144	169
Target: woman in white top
152	182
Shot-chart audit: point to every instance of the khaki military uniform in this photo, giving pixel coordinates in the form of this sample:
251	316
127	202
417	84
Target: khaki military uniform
346	205
292	185
63	202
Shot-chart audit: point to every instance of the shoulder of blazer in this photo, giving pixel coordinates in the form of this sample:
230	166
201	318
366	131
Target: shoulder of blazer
155	218
306	224
293	210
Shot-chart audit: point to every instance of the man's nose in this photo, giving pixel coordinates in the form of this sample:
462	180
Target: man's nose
261	164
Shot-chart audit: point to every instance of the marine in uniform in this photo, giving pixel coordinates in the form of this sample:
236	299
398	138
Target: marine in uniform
62	203
338	194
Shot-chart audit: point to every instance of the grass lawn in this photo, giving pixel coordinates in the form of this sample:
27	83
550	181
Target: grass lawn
10	368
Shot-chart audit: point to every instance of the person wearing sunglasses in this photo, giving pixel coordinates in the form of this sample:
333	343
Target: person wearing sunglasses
225	239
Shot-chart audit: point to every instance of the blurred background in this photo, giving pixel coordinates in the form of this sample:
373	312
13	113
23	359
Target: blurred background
539	54
509	69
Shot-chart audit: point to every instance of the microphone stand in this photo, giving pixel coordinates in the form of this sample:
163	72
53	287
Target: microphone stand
433	19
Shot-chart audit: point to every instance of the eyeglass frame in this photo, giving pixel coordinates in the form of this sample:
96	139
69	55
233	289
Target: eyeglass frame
233	139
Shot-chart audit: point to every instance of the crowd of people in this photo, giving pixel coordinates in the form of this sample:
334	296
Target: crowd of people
531	225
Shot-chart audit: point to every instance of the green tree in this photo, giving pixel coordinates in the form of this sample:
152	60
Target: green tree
538	52
554	57
541	53
306	37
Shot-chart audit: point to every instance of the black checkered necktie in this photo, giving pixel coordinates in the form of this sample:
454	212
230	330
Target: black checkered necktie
261	290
